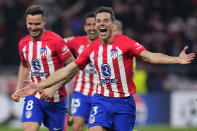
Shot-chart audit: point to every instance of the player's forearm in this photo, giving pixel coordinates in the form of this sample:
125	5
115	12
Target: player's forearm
66	74
159	58
22	76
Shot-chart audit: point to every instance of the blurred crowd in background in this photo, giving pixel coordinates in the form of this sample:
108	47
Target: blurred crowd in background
160	25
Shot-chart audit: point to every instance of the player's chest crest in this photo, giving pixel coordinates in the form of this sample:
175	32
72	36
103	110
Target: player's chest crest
43	52
114	53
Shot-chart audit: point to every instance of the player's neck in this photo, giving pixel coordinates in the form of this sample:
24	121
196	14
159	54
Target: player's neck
108	40
38	38
91	40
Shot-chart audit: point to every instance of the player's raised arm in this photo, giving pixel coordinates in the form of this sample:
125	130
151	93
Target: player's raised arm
159	58
65	73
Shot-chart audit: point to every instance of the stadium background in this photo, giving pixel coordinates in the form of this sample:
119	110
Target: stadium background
165	93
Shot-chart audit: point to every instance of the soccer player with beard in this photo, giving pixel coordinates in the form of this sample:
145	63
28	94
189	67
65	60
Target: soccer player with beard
86	80
42	52
112	55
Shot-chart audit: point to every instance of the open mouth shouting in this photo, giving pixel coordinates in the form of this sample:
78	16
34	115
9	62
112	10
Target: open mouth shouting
103	32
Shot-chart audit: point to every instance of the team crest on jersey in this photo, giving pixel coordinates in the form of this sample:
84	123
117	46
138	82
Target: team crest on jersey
74	110
28	114
114	53
43	52
92	119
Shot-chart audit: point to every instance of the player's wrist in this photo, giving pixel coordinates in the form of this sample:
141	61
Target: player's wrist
38	87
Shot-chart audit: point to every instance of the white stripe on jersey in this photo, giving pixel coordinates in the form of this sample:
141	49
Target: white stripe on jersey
95	81
110	62
95	76
87	83
78	85
51	70
100	62
122	73
24	52
39	46
30	55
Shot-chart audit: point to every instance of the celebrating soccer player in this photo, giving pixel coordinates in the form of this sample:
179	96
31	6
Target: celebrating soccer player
112	55
86	80
42	52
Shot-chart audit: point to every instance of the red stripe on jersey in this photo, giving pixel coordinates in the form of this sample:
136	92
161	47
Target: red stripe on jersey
129	75
45	65
117	74
82	83
111	94
34	56
96	53
91	85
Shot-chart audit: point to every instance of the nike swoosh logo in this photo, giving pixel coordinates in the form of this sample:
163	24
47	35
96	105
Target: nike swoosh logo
56	129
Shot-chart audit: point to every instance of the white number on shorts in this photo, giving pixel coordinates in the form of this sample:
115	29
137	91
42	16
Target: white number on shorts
95	111
76	102
29	105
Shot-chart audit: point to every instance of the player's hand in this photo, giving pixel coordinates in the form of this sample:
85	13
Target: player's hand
185	58
15	97
28	90
47	93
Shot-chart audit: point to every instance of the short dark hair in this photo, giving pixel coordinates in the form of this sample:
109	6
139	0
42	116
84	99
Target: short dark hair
88	15
106	10
34	10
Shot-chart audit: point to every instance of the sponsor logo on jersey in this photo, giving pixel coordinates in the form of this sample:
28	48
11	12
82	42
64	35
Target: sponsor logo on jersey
28	114
36	65
138	45
40	74
109	81
106	70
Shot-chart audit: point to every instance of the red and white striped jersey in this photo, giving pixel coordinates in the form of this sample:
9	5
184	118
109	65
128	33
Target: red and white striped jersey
43	58
113	62
87	79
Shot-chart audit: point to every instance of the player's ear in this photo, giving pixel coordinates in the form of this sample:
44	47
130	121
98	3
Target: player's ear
84	27
113	24
44	20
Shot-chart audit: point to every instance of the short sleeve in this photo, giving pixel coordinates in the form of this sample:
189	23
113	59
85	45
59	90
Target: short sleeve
83	59
62	50
70	42
135	48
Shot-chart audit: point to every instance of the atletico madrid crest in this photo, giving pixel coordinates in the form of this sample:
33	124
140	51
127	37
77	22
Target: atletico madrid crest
28	114
114	53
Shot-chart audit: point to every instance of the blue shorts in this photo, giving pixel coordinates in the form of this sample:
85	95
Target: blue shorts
80	105
52	114
116	114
